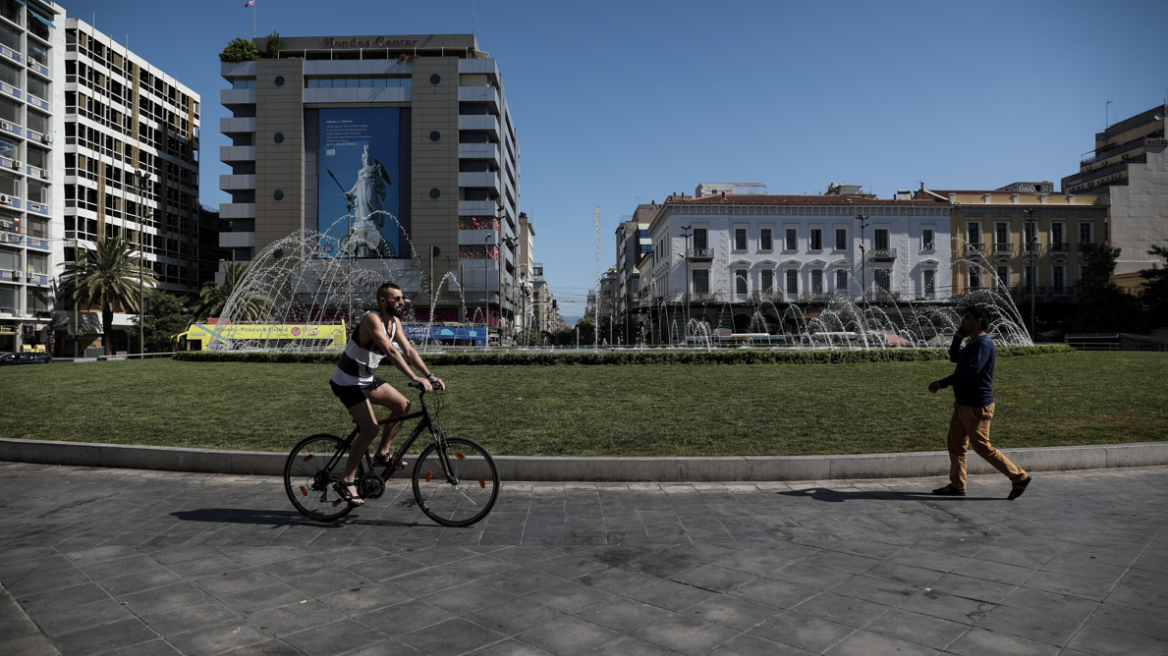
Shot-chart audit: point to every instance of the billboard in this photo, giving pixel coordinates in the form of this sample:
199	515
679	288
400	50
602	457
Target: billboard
359	182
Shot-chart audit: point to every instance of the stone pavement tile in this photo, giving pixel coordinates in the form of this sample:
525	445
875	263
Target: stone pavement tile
1130	620
752	645
220	564
704	553
326	582
1145	579
526	555
979	642
623	615
13	571
670	595
804	631
1071	585
1112	540
749	562
876	590
569	597
433	556
1032	625
923	558
258	556
1131	596
76	618
866	548
568	636
1038	544
465	598
979	589
105	637
370	596
157	647
418	582
226	583
686	634
305	565
475	567
783	552
403	618
712	577
294	618
520	581
190	617
139	581
1064	606
335	638
507	647
841	561
344	556
842	610
804	574
914	627
1011	556
1085	568
46	581
1105	642
732	612
111	569
947	607
965	546
176	555
917	577
516	616
863	643
263	598
87	556
175	594
628	646
568	566
1149	562
277	648
662	564
456	636
992	571
778	594
618	580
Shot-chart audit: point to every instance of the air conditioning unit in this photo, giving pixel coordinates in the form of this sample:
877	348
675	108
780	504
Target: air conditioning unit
5	199
47	139
6	125
32	62
44	174
16	275
16	164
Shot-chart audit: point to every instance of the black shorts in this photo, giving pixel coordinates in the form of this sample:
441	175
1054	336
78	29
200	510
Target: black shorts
352	395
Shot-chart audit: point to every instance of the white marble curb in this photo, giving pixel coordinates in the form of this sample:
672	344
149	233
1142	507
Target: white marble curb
535	468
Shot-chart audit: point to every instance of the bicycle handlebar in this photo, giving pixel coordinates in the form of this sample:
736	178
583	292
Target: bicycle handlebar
416	385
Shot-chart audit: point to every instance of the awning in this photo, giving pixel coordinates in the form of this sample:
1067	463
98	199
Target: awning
41	18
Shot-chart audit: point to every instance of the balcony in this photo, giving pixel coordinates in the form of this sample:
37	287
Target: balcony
479	180
480	151
1003	248
236	182
772	296
480	95
1059	247
1033	248
237	210
228	97
971	248
237	153
700	254
882	255
232	125
480	122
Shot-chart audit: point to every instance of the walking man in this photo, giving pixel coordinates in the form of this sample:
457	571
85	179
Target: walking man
973	406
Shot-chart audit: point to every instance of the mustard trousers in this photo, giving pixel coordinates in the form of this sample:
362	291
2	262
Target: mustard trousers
971	424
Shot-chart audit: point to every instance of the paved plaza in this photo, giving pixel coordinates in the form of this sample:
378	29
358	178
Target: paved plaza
128	562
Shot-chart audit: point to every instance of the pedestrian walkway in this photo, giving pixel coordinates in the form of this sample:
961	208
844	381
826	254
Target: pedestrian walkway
135	562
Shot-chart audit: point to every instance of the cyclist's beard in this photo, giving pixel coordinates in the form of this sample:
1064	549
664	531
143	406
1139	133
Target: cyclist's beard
392	310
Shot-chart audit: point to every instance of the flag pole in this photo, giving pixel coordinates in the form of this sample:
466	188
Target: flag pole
254	12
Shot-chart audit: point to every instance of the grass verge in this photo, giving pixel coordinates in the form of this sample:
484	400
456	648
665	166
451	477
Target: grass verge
649	410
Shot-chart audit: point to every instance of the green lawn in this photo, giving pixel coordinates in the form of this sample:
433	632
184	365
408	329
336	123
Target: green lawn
652	410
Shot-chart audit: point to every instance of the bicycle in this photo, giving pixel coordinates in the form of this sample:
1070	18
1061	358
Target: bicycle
455	480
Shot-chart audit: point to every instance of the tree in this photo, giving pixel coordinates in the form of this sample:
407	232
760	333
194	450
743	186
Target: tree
109	276
1155	296
240	50
168	317
213	297
272	44
1105	308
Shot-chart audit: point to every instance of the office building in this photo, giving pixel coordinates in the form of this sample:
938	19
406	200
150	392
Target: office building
418	129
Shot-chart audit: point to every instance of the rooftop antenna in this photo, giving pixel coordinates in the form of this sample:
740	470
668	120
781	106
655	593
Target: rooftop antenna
472	16
1107	114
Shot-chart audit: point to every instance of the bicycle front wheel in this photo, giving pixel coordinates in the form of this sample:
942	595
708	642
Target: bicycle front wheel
311	483
457	484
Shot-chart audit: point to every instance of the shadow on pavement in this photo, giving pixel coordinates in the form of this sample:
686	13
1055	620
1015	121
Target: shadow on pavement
832	496
272	518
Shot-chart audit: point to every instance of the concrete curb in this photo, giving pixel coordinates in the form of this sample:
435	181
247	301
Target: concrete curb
535	468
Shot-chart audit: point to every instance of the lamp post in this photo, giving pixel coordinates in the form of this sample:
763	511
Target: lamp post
1030	247
486	287
863	259
140	183
685	233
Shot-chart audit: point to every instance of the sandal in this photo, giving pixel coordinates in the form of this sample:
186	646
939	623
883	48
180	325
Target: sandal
380	460
949	491
1018	488
353	499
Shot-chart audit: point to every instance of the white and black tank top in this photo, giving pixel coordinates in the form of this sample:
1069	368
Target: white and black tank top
358	361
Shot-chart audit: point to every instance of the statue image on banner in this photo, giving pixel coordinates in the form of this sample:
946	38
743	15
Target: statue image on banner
365	199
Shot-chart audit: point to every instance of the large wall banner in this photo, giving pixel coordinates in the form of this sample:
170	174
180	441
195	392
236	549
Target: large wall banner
358	179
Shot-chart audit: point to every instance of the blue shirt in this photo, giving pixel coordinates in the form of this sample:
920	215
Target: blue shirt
973	378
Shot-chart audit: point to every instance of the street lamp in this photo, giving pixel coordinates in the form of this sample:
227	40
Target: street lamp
1031	248
863	259
685	232
140	182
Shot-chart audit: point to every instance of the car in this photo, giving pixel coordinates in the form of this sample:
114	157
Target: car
25	358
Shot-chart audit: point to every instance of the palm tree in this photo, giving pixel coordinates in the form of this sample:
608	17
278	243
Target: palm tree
110	276
213	297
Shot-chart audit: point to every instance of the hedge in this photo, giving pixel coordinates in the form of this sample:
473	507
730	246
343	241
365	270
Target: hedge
632	357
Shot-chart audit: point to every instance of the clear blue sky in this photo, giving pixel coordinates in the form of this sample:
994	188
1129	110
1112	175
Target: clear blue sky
616	101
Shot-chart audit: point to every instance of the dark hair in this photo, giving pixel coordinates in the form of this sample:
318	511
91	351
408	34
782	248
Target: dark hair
383	290
979	313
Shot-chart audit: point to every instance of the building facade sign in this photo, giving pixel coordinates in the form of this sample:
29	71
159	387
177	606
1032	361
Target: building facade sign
379	42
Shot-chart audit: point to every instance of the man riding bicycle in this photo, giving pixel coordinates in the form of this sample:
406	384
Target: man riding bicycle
379	335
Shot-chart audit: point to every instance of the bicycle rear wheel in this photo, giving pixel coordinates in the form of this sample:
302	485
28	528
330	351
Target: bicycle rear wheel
471	489
311	483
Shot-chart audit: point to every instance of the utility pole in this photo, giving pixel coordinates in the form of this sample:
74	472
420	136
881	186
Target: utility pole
685	232
1031	247
863	259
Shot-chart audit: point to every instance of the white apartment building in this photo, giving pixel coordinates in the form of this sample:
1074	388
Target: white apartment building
31	119
742	250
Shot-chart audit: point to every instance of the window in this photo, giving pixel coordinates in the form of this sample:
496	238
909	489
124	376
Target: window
881	239
792	239
37	262
792	281
1057	278
740	281
36	300
883	279
701	281
37	87
1002	230
740	239
1030	233
1056	234
1003	275
700	242
9	75
816	239
765	240
974	232
7	298
974	276
243	84
1028	276
1084	233
768	281
841	239
38	122
930	282
927	240
8	260
817	281
841	279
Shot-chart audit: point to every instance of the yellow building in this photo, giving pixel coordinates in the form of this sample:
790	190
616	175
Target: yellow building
1001	236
